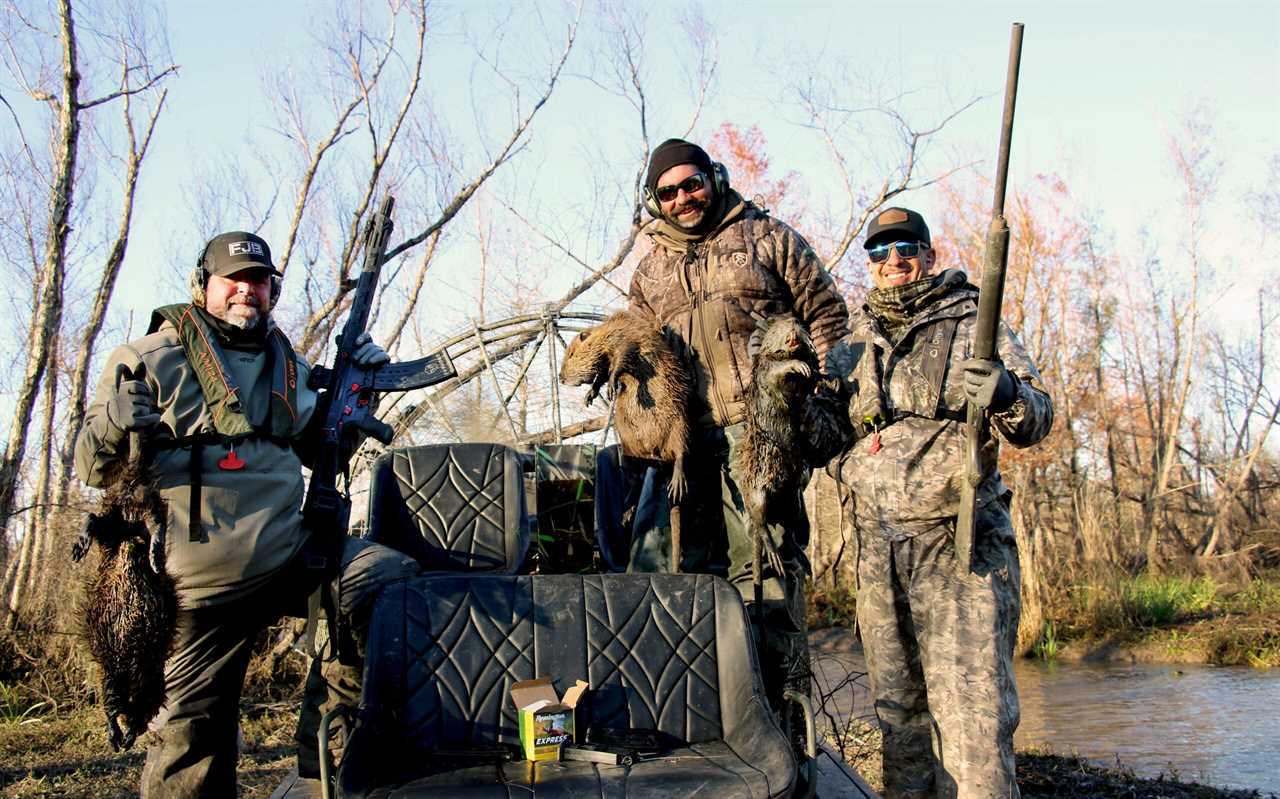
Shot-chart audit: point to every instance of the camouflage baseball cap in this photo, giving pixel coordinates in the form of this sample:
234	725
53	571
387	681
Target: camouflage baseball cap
897	224
235	251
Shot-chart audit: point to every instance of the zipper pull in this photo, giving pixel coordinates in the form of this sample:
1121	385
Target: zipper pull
690	258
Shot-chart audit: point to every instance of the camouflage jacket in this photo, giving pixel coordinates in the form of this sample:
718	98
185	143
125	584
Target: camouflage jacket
910	483
705	291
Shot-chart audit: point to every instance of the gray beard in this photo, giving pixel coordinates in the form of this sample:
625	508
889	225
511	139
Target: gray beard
239	320
689	225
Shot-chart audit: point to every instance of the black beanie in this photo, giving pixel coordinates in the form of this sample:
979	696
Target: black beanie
674	152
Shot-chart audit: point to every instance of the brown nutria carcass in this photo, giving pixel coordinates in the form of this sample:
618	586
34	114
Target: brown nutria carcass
772	459
650	387
649	384
130	603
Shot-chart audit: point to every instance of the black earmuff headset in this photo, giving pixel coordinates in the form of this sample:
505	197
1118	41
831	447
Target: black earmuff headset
719	184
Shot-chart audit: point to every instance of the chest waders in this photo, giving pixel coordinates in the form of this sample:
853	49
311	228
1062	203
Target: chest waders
231	425
872	393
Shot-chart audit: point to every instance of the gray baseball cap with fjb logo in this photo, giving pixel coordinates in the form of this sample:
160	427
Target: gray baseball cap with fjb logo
235	251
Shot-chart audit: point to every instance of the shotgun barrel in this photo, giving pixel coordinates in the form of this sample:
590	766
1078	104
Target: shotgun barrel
981	452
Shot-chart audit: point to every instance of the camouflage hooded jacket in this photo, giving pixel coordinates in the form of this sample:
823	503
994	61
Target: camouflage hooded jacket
906	480
705	291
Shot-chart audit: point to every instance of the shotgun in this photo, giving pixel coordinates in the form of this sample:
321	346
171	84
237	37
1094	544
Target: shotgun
982	452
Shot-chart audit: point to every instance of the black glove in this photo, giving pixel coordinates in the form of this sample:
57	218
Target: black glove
133	407
366	354
988	384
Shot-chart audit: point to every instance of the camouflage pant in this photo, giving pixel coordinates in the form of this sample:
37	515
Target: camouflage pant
939	650
195	753
714	540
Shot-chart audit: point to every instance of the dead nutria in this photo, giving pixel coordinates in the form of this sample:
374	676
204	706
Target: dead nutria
130	603
649	384
772	458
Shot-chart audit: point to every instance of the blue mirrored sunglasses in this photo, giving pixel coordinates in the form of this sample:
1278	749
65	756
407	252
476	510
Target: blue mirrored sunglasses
906	249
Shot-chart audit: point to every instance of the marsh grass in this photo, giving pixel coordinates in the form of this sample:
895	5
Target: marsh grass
1261	595
18	706
1154	601
1047	648
1113	603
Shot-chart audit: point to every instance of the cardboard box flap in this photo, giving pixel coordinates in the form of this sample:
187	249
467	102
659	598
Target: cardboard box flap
574	695
526	692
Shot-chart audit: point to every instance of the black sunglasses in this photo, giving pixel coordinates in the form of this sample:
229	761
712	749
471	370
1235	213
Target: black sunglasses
906	249
689	185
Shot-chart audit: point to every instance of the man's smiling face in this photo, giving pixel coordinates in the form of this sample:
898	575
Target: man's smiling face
896	270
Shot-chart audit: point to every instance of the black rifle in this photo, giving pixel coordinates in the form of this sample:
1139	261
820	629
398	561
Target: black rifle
350	391
982	454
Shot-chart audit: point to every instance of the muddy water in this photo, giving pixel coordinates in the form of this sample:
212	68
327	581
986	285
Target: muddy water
1215	725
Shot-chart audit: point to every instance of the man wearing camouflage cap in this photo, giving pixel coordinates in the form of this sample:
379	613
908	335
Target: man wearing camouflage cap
938	638
718	264
227	421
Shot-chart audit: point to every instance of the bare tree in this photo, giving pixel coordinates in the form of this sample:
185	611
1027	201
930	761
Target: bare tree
877	131
66	110
124	71
1248	411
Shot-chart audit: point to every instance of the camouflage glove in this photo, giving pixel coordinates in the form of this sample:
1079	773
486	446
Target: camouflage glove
988	384
366	354
133	407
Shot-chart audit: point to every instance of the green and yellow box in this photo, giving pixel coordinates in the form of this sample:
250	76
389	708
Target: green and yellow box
546	721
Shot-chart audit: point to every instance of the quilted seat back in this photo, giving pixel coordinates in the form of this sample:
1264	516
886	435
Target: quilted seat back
665	652
452	507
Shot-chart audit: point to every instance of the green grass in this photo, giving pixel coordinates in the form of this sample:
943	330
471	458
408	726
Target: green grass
1155	601
1261	595
1047	648
17	706
1121	603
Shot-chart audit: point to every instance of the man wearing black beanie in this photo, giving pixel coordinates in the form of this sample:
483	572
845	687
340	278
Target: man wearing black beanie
718	264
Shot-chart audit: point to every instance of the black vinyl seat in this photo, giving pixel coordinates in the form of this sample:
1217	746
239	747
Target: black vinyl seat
453	507
670	653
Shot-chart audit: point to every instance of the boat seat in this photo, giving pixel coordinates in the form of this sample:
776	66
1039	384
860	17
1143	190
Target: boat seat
665	653
452	507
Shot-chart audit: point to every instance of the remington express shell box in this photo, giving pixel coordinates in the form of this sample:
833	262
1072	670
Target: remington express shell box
546	721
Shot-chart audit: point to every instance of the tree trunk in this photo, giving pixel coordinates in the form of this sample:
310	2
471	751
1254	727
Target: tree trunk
102	298
40	527
49	309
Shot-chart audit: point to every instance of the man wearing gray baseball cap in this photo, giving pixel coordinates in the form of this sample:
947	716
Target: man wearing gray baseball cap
227	422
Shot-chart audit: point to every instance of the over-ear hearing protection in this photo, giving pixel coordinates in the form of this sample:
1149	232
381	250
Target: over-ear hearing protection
719	184
199	278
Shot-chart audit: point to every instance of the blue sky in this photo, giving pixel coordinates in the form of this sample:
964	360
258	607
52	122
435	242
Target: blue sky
1101	85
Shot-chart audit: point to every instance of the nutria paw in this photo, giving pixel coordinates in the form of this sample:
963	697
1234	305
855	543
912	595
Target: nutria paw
772	555
81	546
678	487
120	739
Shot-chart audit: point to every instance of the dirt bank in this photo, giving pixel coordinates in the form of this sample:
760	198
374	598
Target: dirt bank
1223	639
